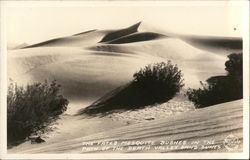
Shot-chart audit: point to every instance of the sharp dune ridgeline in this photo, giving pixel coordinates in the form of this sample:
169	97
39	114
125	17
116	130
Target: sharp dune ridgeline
89	65
121	33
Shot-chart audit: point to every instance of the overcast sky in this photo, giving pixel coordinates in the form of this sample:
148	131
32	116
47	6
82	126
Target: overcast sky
35	24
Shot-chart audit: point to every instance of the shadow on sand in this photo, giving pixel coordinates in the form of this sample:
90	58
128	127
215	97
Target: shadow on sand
128	97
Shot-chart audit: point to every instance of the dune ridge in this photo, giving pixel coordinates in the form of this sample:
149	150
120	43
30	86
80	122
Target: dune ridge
85	32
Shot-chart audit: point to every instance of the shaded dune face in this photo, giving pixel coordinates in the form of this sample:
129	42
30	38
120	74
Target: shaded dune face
87	69
214	44
137	37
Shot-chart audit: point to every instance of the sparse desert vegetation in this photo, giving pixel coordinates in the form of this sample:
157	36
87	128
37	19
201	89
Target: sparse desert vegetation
220	89
32	108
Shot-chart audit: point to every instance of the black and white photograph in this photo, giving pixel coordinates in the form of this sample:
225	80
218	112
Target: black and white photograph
112	78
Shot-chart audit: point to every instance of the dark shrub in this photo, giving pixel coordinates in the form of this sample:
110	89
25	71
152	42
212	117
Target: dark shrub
220	89
155	83
234	65
32	108
160	81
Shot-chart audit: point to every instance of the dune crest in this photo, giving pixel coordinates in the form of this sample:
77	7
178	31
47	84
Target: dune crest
93	30
120	33
137	37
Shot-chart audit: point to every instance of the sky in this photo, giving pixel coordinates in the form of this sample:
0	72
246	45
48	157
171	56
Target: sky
34	24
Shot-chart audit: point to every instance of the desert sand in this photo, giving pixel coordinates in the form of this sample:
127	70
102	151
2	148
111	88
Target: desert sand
224	120
90	64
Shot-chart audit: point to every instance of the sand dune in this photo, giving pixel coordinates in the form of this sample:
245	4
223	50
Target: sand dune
88	69
212	123
89	73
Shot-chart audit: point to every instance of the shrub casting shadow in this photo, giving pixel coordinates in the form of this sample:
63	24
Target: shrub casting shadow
154	84
128	97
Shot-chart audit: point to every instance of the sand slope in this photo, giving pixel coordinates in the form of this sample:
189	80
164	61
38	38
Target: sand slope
211	123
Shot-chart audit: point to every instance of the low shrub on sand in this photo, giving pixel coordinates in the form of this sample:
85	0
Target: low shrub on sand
160	82
155	83
220	89
32	108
